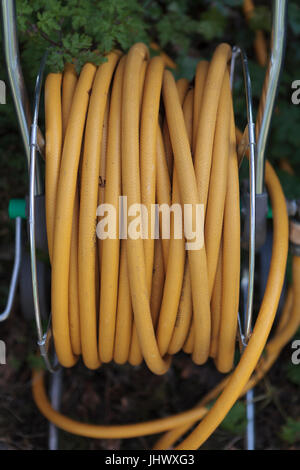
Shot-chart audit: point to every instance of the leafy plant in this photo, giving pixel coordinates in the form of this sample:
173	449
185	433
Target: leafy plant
261	19
290	431
79	31
35	362
235	421
293	373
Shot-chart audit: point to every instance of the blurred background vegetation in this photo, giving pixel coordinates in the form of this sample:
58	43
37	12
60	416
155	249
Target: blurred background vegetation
187	30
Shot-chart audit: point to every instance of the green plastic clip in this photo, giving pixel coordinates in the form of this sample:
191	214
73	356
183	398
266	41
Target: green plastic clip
17	208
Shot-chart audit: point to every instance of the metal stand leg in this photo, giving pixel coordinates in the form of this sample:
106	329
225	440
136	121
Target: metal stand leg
250	436
16	270
55	396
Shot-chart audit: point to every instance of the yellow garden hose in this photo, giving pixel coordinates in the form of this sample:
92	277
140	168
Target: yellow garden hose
128	129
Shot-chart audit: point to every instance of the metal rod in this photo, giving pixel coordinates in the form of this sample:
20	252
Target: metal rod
16	270
250	410
252	145
55	397
247	278
16	79
32	169
43	339
238	52
274	70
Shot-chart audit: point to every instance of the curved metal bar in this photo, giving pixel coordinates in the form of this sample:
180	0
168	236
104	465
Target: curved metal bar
16	79
247	279
274	70
43	339
55	396
16	270
238	52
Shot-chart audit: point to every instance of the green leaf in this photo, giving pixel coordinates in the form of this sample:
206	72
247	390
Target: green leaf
293	374
212	24
235	421
290	431
294	17
261	19
35	362
186	67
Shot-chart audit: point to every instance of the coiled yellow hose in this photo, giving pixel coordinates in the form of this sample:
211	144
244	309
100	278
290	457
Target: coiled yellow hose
126	128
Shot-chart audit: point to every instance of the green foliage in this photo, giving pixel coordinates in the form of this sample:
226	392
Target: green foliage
261	19
294	18
74	30
293	373
290	183
235	421
212	24
86	30
224	4
35	362
290	431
